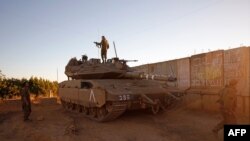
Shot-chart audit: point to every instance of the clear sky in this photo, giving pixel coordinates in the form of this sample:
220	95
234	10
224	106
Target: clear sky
37	37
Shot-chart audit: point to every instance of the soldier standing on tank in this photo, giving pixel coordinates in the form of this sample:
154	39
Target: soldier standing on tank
104	47
227	102
25	98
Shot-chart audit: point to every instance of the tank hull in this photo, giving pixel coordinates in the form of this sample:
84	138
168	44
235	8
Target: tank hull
107	99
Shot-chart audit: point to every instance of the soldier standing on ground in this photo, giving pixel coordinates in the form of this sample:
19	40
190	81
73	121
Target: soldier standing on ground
227	103
25	98
104	47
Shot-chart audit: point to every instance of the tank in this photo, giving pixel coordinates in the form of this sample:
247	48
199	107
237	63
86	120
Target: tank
104	91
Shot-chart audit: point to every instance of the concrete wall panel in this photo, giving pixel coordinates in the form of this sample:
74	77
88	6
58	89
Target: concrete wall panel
151	68
207	70
236	66
197	73
214	69
170	68
159	68
183	73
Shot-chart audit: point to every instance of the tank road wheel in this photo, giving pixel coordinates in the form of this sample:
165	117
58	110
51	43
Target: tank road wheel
156	108
168	102
93	112
73	106
109	107
106	113
101	113
85	110
79	108
68	106
63	104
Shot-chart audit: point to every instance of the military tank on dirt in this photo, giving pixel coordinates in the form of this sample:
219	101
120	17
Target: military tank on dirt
104	91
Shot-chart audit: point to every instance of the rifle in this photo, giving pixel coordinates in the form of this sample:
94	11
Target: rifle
97	44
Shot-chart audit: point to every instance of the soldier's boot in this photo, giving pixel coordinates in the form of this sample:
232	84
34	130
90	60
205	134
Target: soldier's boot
25	117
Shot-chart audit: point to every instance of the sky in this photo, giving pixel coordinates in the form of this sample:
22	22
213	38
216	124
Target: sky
37	38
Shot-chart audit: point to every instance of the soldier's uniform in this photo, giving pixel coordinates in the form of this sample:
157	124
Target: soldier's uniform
227	103
104	47
26	104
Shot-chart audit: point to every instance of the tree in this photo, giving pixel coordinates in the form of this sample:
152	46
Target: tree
10	87
3	88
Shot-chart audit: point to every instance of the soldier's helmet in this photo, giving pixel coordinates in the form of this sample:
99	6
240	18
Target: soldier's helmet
103	37
233	82
84	58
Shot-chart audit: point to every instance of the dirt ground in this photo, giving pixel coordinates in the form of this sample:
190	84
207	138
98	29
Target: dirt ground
51	122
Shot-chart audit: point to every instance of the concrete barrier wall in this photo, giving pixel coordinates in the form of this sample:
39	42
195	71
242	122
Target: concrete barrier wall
197	73
183	73
167	68
207	70
205	74
143	68
208	102
236	66
170	69
214	69
151	68
159	69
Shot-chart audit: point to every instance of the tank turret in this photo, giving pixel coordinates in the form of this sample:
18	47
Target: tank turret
94	69
113	69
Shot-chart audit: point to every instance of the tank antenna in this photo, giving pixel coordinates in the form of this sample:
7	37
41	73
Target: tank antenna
98	53
115	49
98	50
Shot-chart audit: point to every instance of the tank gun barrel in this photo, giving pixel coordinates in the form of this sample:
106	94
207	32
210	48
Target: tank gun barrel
163	78
123	60
141	75
159	77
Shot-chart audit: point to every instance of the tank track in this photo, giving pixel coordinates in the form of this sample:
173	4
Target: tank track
110	111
